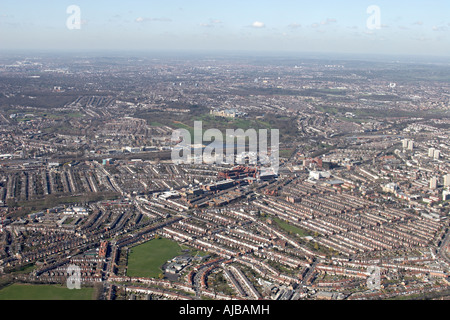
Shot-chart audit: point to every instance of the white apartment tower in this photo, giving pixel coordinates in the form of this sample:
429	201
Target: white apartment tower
445	195
405	143
437	154
447	180
431	152
433	183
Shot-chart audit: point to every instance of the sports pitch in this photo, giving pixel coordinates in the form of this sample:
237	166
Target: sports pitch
147	259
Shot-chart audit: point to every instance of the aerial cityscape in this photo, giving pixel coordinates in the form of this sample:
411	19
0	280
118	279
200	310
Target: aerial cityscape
327	176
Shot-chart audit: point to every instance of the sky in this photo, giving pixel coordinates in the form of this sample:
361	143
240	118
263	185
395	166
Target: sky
397	27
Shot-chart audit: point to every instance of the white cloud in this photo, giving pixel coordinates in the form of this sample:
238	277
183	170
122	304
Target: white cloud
258	24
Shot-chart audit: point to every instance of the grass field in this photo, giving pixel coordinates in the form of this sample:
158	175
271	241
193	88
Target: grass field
288	227
286	153
44	292
146	259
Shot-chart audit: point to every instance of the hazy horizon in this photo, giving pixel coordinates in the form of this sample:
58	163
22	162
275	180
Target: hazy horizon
214	54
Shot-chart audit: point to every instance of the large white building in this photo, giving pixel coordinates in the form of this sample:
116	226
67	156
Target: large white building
446	195
229	113
317	175
433	183
405	143
437	154
431	152
76	211
391	187
447	180
434	153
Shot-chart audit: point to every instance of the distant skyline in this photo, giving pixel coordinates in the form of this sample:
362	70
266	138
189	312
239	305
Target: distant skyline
405	27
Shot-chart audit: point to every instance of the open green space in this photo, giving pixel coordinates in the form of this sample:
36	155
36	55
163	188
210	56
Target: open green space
290	228
156	124
286	125
44	292
286	153
146	260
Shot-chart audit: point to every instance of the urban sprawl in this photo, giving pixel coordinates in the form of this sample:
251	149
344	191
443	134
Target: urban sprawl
87	179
